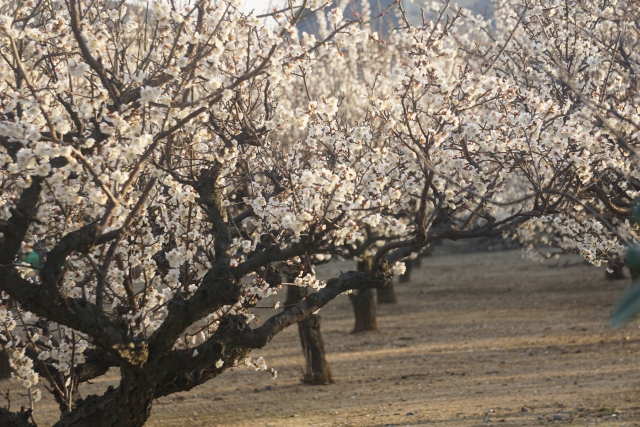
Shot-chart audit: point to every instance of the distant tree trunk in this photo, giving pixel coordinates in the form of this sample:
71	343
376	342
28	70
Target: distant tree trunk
364	308
615	269
387	296
317	371
417	263
5	369
364	305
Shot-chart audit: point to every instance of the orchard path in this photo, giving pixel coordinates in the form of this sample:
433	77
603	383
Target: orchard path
476	339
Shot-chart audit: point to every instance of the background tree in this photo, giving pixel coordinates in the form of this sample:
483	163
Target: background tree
581	60
317	369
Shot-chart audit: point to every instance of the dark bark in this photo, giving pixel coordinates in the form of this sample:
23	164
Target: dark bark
15	228
615	269
15	419
5	369
128	405
317	371
97	363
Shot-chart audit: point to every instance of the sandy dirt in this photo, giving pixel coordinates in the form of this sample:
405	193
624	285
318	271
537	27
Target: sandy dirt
475	339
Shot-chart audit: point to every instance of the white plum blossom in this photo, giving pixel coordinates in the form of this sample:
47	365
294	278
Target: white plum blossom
399	268
149	94
175	257
77	69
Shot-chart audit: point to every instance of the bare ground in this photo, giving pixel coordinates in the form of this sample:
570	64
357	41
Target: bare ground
476	339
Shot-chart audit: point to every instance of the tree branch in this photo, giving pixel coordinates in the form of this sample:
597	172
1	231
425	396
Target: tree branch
74	313
259	337
15	419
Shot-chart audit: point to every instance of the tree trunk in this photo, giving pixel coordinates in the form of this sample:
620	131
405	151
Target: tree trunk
317	370
387	296
364	308
5	368
615	269
417	263
364	305
129	405
15	419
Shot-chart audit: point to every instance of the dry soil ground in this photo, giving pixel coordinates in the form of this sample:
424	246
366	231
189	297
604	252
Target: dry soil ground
476	339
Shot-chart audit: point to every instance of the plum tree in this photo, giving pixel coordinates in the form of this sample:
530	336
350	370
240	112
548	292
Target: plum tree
165	162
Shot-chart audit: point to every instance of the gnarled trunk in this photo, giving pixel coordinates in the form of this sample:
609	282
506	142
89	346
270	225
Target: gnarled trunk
317	370
129	405
15	419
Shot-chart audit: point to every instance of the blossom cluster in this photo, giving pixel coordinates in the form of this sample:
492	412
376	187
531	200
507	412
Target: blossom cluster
22	366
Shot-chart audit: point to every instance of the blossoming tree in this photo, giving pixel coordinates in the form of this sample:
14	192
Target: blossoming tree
579	64
142	152
137	154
